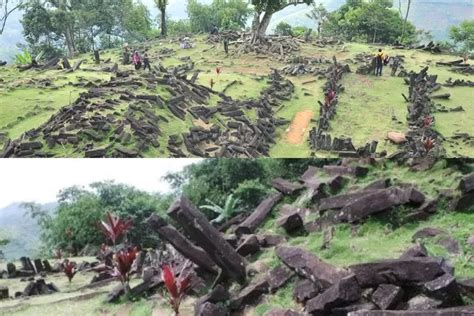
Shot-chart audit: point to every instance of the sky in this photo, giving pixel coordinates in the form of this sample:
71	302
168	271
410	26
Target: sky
39	180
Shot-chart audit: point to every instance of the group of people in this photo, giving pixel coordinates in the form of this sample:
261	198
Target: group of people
138	61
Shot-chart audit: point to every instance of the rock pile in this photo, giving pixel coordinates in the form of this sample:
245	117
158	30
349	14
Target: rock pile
410	284
279	46
239	137
423	140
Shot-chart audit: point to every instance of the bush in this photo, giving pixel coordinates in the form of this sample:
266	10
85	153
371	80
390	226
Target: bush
283	29
23	58
251	193
299	30
179	27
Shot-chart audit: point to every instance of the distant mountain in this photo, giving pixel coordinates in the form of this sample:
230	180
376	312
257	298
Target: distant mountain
22	231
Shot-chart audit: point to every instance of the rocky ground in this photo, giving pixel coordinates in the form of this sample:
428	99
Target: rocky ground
360	237
200	102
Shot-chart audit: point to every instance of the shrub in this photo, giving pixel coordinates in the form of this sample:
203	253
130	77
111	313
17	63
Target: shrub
283	29
251	192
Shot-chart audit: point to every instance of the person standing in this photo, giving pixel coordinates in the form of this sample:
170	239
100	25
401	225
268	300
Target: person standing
226	46
379	60
137	60
146	62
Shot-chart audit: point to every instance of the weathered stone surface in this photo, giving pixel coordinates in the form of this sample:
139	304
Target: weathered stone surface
249	245
458	311
4	293
467	287
441	238
278	277
258	216
379	184
378	201
342	293
115	294
387	296
343	170
284	312
422	302
249	295
305	290
444	289
347	310
208	238
11	268
465	202
216	295
418	250
285	186
427	232
309	266
210	309
399	271
291	222
267	241
467	183
181	243
339	201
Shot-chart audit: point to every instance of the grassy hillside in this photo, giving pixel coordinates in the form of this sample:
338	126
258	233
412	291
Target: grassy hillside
366	112
377	238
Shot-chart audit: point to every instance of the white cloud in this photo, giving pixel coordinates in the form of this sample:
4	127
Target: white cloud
40	180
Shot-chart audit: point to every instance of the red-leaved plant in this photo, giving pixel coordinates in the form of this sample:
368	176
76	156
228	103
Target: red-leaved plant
114	227
69	268
428	144
176	287
123	262
218	70
428	121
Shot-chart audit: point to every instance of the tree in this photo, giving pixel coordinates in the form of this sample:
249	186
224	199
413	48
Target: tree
319	14
405	21
283	29
463	36
7	7
228	14
161	5
264	10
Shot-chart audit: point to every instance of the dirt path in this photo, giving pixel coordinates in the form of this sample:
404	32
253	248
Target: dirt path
296	131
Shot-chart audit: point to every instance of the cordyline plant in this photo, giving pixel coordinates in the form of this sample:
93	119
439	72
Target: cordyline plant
122	265
115	227
428	121
218	71
428	144
69	268
176	286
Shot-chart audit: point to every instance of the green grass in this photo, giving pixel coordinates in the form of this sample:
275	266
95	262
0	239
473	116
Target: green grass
365	111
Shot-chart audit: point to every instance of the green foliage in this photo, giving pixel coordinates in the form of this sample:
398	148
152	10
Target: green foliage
284	29
23	58
372	21
82	25
179	27
224	213
251	192
76	221
227	14
299	30
276	5
463	36
319	15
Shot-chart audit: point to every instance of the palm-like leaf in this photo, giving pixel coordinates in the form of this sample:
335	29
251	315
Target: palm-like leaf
224	213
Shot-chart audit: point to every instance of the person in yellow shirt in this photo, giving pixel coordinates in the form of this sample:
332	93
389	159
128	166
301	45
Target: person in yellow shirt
379	59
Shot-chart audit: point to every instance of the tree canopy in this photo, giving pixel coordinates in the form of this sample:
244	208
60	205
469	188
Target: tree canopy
463	36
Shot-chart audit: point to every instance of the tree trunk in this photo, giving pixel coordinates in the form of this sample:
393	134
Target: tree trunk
70	41
164	29
406	21
264	23
375	36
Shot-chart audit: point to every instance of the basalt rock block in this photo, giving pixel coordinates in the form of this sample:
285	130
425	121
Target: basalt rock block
342	293
444	289
284	312
278	277
304	290
258	216
286	187
349	171
399	271
249	245
4	293
418	250
210	309
291	222
249	295
467	183
387	296
458	311
309	266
